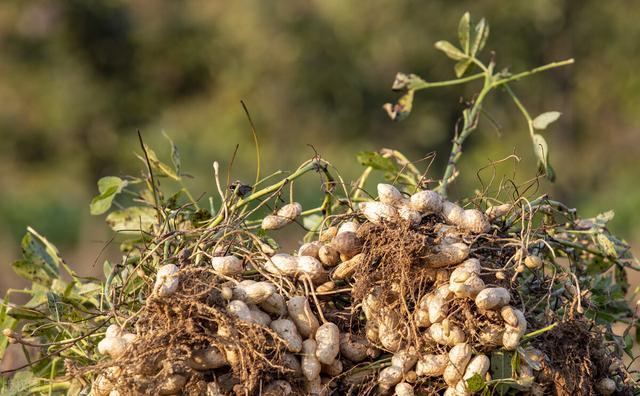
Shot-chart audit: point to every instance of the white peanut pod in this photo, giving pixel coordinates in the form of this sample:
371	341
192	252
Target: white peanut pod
390	195
301	314
172	384
497	211
438	308
259	316
390	330
347	268
513	317
452	213
462	272
113	331
275	222
421	318
167	280
310	249
287	330
112	346
377	212
389	376
411	216
274	304
227	265
327	343
334	369
253	292
310	364
282	264
478	365
372	330
459	357
427	202
492	298
475	221
446	336
353	347
240	310
404	389
276	388
290	211
207	359
348	226
405	359
328	255
310	266
315	387
448	254
469	288
432	365
513	333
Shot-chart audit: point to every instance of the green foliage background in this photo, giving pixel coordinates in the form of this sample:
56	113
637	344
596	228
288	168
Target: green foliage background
79	78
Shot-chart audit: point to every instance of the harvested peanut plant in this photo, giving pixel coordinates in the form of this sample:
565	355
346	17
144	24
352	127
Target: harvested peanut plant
406	293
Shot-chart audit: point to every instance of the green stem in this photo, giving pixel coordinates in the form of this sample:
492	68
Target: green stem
522	109
424	84
313	165
54	387
518	76
539	331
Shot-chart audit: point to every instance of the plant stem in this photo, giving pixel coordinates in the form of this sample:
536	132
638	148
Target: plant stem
424	84
518	76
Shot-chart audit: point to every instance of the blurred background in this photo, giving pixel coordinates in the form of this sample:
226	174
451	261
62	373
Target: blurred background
79	78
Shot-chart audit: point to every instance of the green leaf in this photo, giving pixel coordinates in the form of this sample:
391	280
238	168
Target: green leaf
6	322
312	222
402	109
475	383
541	150
501	369
109	187
158	165
450	50
606	246
40	261
175	155
545	119
20	383
463	32
32	272
376	161
132	220
603	218
461	67
480	38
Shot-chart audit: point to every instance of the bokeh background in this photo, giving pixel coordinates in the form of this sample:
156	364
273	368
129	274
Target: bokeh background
79	78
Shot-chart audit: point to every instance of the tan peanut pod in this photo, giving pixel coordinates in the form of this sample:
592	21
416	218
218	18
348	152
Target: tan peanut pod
328	255
451	391
448	234
290	211
492	298
346	269
253	292
167	280
258	316
287	330
334	369
606	386
378	212
438	308
427	202
227	265
448	255
513	334
172	384
310	249
113	331
266	248
452	213
310	364
459	357
513	317
475	221
444	292
315	387
465	269
533	262
327	234
389	376
226	292
491	336
469	288
112	346
405	359
282	264
207	359
478	365
327	343
404	389
498	211
421	318
277	388
390	195
291	362
372	330
275	222
348	226
301	314
353	347
347	243
103	384
411	216
432	365
326	287
274	304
